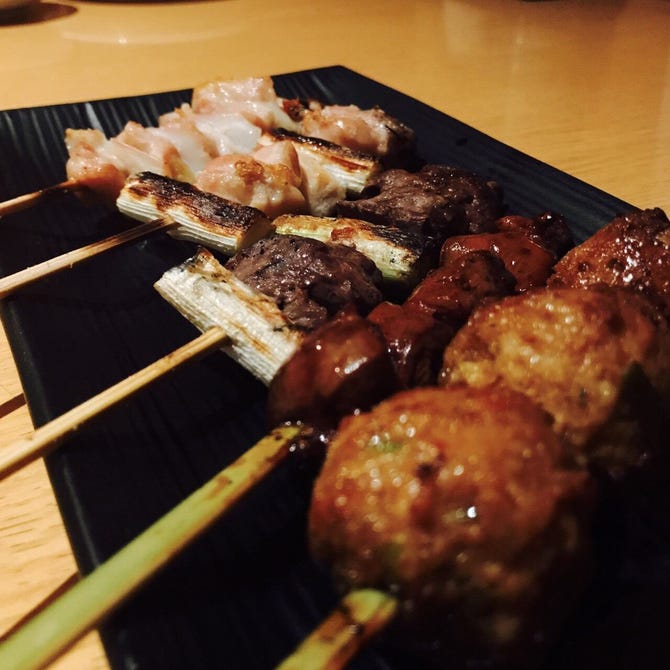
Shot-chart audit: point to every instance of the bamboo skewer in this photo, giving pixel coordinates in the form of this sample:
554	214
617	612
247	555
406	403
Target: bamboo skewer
360	615
50	435
27	200
69	617
34	272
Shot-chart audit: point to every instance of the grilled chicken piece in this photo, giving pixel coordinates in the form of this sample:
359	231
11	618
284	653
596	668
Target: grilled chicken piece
595	360
631	251
454	501
202	217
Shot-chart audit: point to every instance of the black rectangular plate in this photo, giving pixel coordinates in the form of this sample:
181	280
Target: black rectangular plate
245	594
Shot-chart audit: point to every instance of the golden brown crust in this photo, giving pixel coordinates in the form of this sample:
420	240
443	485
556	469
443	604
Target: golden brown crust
452	498
572	351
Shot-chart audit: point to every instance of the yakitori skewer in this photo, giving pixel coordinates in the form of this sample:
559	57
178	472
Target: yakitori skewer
67	260
357	618
79	609
127	574
17	454
28	200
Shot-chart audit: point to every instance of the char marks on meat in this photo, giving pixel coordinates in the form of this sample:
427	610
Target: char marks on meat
309	280
438	200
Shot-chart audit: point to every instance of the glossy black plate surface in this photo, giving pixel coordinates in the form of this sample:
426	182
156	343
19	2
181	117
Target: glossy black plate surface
247	592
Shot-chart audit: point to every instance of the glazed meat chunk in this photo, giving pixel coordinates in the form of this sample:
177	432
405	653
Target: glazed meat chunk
445	497
631	251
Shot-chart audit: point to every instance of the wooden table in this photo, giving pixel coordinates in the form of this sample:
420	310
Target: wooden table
584	86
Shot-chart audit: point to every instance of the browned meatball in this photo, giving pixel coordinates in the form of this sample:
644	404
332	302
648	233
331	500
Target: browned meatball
453	500
549	229
594	359
632	251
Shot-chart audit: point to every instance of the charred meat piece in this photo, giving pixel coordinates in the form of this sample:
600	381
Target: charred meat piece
529	262
454	500
438	201
415	341
339	368
595	360
632	251
549	229
310	281
451	292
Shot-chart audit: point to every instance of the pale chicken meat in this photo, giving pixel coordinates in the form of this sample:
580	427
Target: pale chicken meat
268	179
254	98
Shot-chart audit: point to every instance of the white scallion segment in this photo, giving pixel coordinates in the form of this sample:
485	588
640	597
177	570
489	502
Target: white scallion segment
203	218
260	337
396	254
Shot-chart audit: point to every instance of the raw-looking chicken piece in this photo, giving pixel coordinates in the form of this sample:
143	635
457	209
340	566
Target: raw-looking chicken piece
103	165
455	501
254	98
224	133
268	179
371	131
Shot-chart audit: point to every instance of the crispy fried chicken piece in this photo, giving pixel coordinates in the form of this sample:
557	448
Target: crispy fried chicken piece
631	251
453	500
595	360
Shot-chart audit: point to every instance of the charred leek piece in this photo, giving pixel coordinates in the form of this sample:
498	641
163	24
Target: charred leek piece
201	217
338	638
350	168
398	254
202	290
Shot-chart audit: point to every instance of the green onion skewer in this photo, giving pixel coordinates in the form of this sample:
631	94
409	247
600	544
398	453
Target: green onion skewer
69	617
51	434
360	615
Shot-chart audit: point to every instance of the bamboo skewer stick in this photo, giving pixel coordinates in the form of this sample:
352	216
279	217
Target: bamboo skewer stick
51	434
27	200
69	617
34	272
360	615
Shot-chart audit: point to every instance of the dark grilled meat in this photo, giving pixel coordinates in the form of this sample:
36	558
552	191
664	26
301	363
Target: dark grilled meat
549	230
438	201
632	251
451	292
529	262
339	368
309	280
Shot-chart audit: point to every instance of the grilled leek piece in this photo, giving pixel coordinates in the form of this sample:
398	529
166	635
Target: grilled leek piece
400	255
201	217
207	294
